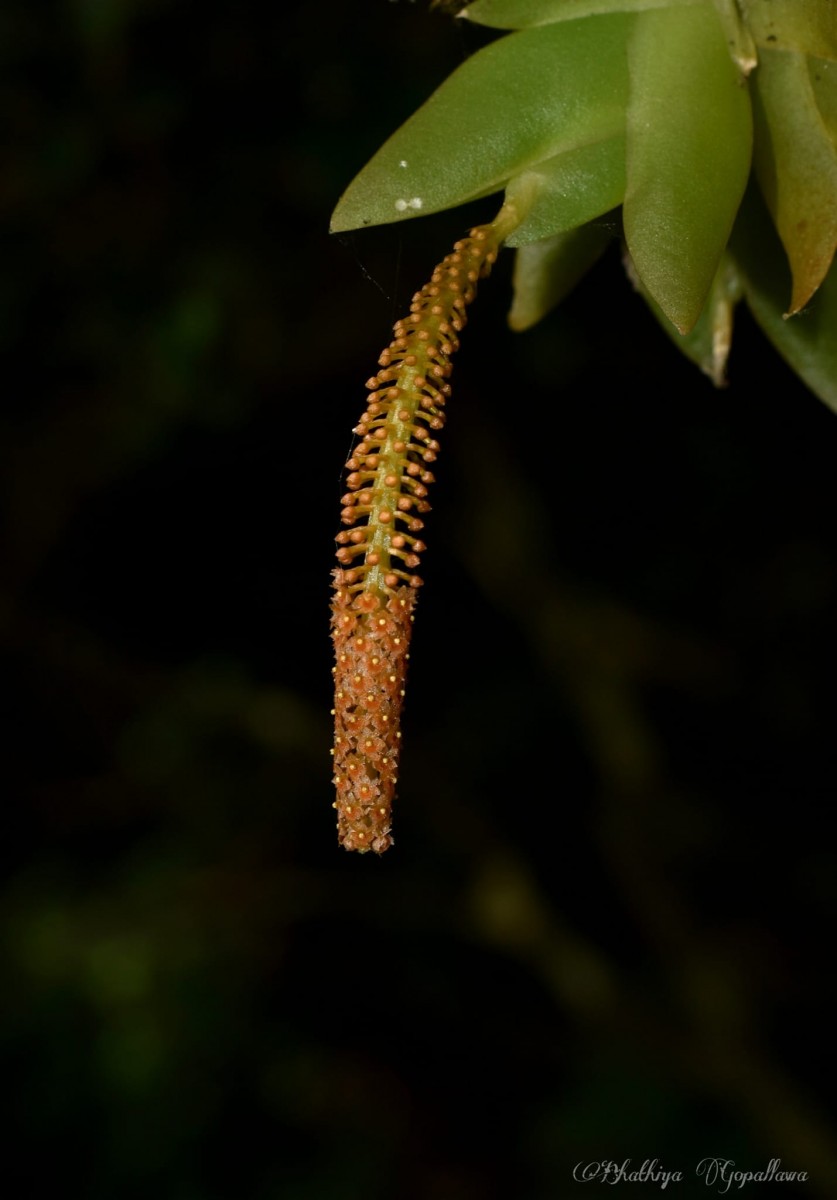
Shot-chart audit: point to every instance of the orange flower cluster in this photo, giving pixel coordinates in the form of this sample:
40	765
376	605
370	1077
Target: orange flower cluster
379	552
370	641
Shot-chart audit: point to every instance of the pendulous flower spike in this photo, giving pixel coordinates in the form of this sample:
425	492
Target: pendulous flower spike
376	585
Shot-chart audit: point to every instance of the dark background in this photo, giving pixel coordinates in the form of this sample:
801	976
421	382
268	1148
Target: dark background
631	591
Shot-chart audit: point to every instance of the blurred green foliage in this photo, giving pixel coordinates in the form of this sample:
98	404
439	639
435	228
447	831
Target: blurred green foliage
601	931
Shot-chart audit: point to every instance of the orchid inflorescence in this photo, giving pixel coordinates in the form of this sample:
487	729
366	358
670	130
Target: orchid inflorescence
379	551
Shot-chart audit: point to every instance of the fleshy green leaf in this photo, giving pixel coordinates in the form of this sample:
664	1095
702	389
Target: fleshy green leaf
709	341
823	76
809	26
568	190
513	105
545	272
527	14
689	138
740	41
796	165
807	341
